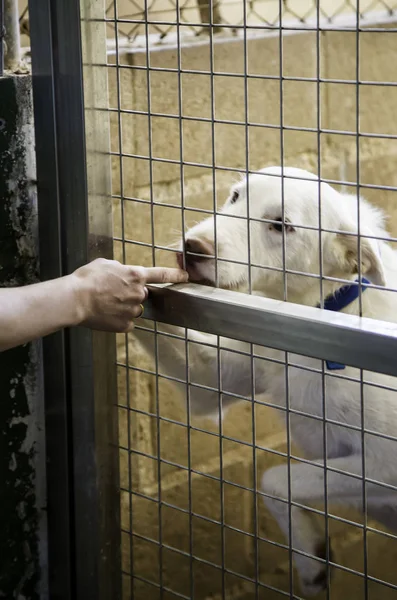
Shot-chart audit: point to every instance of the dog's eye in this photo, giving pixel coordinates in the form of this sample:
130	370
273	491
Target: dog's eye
278	225
234	198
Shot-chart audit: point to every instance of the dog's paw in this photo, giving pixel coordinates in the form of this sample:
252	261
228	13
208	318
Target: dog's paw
314	575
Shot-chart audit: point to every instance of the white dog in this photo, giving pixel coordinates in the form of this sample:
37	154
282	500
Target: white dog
298	194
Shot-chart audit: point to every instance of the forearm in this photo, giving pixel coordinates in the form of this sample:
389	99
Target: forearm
30	312
103	295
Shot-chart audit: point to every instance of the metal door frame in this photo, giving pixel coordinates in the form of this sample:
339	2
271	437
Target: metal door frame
79	365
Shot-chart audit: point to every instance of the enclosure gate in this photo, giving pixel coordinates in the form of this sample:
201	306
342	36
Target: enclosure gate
90	550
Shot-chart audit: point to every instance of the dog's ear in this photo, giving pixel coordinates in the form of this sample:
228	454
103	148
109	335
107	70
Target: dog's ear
371	264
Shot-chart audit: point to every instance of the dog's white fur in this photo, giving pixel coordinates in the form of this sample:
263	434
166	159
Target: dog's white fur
343	402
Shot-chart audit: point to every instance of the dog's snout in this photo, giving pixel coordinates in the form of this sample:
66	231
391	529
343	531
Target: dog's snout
198	250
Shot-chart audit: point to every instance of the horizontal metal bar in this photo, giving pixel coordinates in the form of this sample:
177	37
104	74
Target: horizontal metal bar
213	73
322	131
360	342
347	23
246	172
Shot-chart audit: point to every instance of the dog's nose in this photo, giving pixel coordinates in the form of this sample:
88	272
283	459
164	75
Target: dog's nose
195	251
198	250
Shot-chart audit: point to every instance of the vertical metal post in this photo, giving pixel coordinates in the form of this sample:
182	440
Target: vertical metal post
56	410
100	426
12	35
79	365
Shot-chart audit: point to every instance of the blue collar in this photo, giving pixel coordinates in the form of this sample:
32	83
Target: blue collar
338	301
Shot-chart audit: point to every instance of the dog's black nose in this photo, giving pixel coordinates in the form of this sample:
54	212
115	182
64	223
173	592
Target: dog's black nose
198	250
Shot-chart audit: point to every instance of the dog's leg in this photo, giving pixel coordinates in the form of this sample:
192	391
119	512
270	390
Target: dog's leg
344	486
204	369
306	534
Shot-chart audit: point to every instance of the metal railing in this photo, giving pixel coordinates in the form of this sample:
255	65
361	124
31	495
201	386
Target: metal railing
357	341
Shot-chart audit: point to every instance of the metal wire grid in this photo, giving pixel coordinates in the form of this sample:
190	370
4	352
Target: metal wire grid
126	364
256	537
196	16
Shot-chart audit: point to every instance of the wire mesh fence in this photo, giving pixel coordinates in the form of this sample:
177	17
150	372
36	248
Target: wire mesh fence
240	462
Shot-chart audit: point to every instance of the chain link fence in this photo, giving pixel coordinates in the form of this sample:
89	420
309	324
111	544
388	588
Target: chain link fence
160	18
194	16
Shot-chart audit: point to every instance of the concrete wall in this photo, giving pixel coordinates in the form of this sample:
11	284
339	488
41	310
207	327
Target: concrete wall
22	462
338	158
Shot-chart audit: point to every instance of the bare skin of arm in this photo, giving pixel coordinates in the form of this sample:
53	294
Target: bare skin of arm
103	295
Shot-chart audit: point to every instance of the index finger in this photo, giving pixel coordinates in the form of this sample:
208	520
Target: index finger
165	275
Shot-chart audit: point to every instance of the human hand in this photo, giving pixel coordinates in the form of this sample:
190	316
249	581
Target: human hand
109	294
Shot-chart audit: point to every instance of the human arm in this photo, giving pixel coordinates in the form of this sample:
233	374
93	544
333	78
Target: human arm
103	295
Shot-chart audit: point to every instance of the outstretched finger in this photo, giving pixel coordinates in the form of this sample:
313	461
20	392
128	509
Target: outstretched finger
165	275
